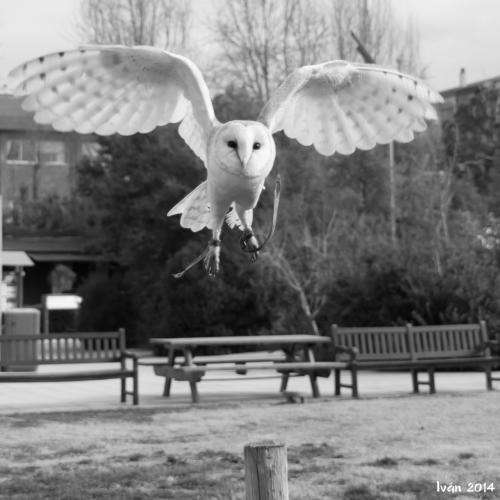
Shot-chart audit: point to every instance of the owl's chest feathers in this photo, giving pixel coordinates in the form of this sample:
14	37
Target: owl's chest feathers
228	187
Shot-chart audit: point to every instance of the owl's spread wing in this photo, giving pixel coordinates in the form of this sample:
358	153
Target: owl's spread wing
341	106
117	89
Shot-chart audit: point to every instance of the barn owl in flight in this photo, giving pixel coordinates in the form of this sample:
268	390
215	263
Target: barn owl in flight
335	106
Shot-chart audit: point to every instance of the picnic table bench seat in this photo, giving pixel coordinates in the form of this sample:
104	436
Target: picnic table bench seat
240	357
178	372
416	349
20	355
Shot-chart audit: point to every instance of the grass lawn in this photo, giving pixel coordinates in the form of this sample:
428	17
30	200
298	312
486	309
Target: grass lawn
393	448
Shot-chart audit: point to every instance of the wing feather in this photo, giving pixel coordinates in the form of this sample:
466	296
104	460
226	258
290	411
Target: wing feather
302	128
39	76
189	130
194	209
232	219
104	110
108	89
63	99
367	136
87	113
347	144
142	108
341	106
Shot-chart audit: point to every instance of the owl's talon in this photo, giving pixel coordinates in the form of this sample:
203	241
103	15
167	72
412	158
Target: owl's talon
212	259
250	244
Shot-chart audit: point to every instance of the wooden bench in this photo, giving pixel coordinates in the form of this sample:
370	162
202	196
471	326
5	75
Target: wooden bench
26	352
296	358
417	349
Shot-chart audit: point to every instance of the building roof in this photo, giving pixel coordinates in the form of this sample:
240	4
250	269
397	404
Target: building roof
14	258
13	116
471	87
51	248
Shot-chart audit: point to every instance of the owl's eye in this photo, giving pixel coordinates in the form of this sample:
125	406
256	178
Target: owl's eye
256	145
232	144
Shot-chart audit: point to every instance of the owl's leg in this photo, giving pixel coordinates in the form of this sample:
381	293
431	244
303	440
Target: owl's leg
248	241
211	261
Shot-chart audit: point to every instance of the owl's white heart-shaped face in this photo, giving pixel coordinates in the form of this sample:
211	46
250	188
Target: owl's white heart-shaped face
243	148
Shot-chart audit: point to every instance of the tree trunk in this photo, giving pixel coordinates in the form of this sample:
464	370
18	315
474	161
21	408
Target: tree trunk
307	311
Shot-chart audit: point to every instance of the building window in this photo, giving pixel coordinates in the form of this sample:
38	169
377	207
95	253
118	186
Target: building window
52	152
29	151
20	151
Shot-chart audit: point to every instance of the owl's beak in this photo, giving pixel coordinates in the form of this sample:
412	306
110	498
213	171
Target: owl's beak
244	153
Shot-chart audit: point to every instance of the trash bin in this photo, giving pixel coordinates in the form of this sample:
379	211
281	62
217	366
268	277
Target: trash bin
20	321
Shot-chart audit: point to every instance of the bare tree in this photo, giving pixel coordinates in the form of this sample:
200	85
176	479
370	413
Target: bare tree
387	39
245	36
306	36
261	41
304	264
162	23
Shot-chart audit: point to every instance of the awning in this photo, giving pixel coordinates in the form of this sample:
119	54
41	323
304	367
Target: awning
16	258
63	257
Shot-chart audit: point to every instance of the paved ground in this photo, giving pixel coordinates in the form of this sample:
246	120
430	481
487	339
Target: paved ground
57	396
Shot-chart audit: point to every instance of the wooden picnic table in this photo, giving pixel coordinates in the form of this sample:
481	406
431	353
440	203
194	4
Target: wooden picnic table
298	351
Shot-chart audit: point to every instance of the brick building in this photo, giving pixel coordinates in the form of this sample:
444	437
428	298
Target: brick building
38	176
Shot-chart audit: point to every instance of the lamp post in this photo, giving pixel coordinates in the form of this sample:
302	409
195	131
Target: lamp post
1	247
392	179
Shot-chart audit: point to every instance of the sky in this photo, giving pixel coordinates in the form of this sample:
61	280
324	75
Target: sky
456	34
453	34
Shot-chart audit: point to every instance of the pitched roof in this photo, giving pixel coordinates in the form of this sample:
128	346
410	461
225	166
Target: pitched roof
13	117
471	87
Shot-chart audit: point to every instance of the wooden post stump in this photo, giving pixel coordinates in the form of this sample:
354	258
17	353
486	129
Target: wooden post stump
266	471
